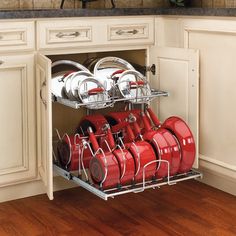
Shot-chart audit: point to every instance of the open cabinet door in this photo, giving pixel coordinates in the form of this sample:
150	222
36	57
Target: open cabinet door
44	122
178	74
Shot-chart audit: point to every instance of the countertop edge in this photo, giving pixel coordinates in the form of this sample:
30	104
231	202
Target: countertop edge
57	13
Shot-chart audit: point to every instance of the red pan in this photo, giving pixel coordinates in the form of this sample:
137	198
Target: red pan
161	147
104	167
142	153
185	138
124	158
69	153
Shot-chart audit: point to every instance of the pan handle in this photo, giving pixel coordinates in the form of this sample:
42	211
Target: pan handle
93	139
146	123
153	116
119	126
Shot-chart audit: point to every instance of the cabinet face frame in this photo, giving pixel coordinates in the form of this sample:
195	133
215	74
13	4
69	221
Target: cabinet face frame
20	105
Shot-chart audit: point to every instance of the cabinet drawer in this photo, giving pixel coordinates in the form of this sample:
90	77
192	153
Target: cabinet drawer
16	36
131	31
64	34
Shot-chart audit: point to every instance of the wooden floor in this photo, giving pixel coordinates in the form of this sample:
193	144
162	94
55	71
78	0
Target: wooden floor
188	208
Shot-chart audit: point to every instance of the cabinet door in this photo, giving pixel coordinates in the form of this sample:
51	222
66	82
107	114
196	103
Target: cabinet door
44	122
178	73
17	120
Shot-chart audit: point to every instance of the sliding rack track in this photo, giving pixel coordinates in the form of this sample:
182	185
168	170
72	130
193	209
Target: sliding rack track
113	100
137	188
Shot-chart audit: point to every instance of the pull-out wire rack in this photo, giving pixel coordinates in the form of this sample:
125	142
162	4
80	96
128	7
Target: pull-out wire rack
76	105
136	188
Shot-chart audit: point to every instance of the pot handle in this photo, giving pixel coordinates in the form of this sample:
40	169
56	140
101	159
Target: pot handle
147	126
110	138
153	117
119	126
93	139
130	133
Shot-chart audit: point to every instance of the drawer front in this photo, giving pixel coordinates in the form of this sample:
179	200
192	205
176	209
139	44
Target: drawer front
124	32
17	36
64	34
131	31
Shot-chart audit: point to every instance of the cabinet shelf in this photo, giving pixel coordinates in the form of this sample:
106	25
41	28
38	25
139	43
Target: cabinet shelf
137	188
112	101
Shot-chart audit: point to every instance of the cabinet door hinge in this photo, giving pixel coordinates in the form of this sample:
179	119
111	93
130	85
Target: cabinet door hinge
151	69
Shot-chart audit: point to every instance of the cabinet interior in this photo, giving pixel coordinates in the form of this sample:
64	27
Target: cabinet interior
66	119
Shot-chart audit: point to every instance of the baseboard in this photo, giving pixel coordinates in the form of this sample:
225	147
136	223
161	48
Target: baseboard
31	189
218	176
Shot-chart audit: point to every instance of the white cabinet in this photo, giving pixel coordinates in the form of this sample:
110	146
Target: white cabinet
17	120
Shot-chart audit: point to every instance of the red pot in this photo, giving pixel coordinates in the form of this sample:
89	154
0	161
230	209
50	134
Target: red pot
124	158
69	153
104	167
185	138
143	154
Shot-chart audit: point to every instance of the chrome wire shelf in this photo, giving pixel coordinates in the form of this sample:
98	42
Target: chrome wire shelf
137	188
113	100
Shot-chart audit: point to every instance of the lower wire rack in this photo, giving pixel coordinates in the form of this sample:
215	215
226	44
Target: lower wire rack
137	188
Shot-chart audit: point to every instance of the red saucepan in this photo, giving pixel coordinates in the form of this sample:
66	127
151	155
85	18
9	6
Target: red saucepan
142	153
69	153
104	167
124	158
184	136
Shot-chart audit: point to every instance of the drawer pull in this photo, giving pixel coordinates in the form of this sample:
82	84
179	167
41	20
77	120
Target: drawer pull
1	37
1	62
122	32
40	94
68	35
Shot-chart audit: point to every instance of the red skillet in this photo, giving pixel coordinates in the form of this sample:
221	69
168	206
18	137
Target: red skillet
104	168
161	146
142	153
184	136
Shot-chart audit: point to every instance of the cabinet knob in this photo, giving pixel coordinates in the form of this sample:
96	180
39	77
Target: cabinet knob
1	37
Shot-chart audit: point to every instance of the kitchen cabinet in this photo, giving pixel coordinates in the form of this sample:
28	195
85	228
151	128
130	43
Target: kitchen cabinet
17	120
176	70
132	38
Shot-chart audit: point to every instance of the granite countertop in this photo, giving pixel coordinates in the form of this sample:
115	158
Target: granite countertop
50	13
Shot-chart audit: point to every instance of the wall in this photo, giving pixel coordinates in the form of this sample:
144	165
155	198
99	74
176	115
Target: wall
29	4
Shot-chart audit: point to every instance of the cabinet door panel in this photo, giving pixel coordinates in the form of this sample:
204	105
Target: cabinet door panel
17	120
44	120
178	73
